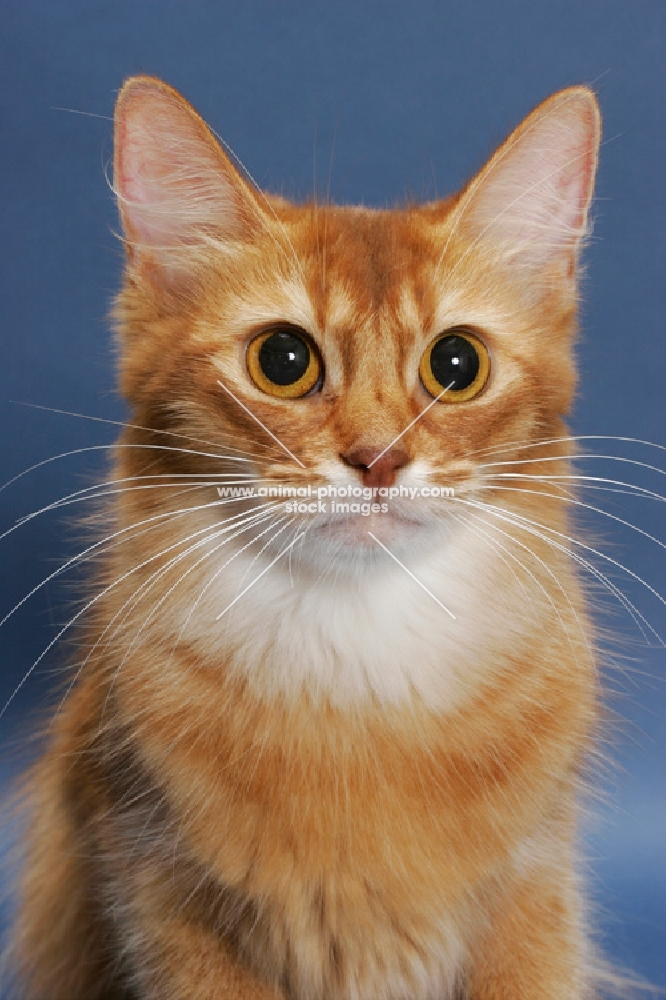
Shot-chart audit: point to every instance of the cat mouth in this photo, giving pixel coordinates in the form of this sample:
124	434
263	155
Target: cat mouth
357	528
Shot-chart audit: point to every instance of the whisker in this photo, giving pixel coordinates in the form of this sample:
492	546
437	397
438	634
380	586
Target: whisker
103	544
113	447
154	577
479	532
548	570
204	535
177	583
580	560
75	618
259	576
576	458
637	617
124	424
210	583
588	482
586	565
592	569
87	114
564	439
521	521
76	498
578	503
99	491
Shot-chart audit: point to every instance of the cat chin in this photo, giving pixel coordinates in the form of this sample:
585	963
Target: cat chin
354	542
357	529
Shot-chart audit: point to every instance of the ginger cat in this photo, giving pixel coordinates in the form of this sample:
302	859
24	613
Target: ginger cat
319	753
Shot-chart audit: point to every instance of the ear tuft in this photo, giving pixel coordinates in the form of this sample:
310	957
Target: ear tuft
173	182
531	201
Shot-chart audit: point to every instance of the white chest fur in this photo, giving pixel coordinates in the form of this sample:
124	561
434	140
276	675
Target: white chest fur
365	632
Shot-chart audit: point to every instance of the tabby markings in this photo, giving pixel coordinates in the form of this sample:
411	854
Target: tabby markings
248	411
409	426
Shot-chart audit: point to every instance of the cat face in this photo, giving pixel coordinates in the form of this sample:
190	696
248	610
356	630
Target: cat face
323	338
394	354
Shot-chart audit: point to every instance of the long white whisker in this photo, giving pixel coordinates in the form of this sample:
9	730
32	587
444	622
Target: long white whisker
577	503
203	536
98	493
524	445
209	584
520	521
499	548
545	566
210	532
102	545
587	482
126	425
575	458
641	622
180	579
632	610
115	446
259	576
74	619
78	498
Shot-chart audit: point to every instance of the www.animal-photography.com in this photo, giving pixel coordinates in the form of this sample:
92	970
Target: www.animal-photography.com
332	501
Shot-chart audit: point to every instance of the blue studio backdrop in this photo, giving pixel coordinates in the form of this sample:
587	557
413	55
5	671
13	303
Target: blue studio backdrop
381	100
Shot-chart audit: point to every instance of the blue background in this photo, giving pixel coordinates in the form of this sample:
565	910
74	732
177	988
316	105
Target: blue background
389	99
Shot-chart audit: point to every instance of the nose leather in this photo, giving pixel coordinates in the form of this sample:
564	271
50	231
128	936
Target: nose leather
376	470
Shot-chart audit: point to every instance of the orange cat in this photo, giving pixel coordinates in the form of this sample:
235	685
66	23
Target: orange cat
328	746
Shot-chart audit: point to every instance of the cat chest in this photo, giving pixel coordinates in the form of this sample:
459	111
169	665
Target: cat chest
325	915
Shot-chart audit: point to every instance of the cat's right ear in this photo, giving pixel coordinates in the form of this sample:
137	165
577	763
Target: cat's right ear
176	188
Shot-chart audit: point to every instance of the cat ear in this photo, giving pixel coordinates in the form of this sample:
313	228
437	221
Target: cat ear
175	186
529	205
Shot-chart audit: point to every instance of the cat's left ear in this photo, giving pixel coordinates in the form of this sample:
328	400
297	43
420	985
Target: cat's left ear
529	205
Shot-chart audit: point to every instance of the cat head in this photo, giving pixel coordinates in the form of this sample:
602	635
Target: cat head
334	346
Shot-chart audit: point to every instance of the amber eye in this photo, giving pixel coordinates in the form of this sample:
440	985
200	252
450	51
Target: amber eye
283	362
457	359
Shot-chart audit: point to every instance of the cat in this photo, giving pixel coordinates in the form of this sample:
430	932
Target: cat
329	737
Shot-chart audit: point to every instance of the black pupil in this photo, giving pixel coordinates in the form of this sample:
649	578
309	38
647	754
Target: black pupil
453	359
284	357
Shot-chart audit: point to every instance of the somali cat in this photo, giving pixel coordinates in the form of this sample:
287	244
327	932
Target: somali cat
313	751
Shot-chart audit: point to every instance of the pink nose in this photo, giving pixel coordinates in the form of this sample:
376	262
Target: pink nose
377	469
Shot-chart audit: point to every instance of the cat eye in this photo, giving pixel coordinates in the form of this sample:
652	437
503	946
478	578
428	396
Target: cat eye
283	362
457	359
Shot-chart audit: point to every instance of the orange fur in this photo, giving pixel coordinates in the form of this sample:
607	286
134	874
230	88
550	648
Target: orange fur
308	798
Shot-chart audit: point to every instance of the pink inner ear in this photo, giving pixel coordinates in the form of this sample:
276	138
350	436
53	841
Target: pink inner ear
533	197
134	172
171	178
576	180
135	189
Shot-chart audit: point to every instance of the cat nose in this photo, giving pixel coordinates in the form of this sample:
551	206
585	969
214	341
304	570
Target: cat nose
377	468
